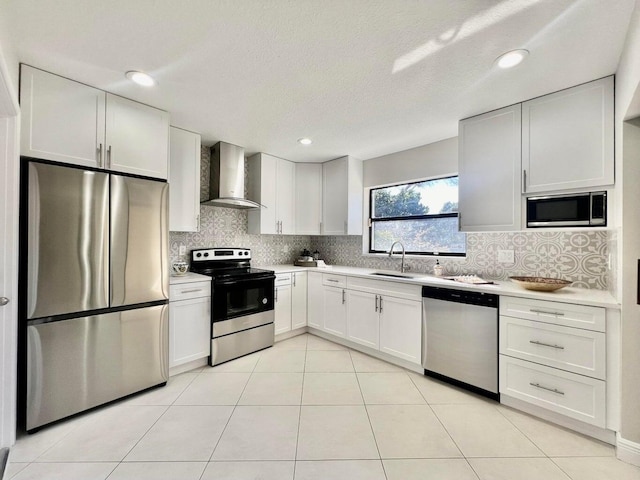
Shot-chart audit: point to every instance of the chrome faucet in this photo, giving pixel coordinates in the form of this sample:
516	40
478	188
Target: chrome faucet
391	253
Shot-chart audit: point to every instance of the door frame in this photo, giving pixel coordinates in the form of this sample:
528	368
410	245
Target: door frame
9	200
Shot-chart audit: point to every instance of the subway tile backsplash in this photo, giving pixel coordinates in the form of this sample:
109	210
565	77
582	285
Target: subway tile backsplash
581	257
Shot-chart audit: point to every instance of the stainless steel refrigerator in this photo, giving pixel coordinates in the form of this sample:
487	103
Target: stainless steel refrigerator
95	281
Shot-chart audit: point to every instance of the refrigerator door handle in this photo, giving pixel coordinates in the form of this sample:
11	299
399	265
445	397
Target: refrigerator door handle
119	239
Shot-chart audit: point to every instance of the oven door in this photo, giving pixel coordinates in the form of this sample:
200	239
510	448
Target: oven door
241	297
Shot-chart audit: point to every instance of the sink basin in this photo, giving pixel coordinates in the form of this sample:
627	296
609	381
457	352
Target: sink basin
395	275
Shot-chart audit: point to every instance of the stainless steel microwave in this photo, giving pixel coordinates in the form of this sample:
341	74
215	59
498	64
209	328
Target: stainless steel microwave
574	210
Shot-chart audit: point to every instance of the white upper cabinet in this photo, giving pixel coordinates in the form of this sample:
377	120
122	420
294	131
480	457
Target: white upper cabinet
62	120
137	138
489	171
567	138
308	198
342	197
184	181
271	183
70	122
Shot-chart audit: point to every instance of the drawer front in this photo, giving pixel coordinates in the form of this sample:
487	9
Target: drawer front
575	396
384	287
283	279
184	291
579	316
334	280
573	349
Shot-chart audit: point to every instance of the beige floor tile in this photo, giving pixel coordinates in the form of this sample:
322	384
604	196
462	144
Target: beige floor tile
597	468
340	470
29	447
260	433
556	441
183	433
328	361
107	437
281	361
437	392
317	343
273	470
481	431
389	388
410	431
365	363
331	389
13	469
298	342
242	364
66	471
335	432
520	468
273	389
429	469
214	389
164	395
158	471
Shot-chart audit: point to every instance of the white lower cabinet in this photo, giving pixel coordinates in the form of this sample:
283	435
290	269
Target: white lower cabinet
282	303
363	324
401	328
189	322
553	355
299	300
335	311
315	300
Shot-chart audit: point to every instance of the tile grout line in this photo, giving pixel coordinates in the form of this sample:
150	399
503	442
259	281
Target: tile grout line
523	433
366	410
304	373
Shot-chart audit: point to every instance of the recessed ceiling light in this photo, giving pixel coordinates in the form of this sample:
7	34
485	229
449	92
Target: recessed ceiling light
305	141
141	78
512	58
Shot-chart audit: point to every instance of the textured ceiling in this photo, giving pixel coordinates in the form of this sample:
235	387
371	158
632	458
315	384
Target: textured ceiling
360	77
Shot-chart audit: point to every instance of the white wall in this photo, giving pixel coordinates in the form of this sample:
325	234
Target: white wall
628	178
439	159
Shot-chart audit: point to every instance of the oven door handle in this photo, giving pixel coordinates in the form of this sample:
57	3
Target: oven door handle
243	280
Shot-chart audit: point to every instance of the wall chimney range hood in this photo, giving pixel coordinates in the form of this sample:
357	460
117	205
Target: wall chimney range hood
226	181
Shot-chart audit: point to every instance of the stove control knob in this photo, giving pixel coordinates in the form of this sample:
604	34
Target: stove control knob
206	254
198	255
264	301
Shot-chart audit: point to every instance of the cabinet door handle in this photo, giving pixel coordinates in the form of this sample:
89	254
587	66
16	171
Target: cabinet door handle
192	291
100	156
275	295
198	222
109	156
294	279
343	293
524	181
535	310
345	228
320	227
553	390
332	280
459	222
376	303
536	342
380	303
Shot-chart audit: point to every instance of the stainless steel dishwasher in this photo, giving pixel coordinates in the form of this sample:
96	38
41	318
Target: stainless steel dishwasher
460	338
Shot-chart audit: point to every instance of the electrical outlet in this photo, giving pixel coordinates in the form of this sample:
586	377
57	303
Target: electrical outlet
506	256
182	249
285	249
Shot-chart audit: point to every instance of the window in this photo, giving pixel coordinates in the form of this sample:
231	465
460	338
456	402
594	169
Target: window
422	215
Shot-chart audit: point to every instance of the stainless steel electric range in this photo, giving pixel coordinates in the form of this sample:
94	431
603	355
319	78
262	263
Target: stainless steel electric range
242	302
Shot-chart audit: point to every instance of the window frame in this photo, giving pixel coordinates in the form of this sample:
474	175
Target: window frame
372	220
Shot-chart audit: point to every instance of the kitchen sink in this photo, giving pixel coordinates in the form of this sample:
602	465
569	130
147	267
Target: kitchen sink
395	275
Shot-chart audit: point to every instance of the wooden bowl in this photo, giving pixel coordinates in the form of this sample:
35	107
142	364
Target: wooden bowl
541	284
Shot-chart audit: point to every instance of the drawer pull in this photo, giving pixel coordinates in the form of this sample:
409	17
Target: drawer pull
552	390
332	280
535	342
192	291
534	310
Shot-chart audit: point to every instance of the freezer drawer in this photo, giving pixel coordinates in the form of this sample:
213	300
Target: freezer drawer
77	364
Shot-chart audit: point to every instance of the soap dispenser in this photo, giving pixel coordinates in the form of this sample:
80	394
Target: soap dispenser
438	270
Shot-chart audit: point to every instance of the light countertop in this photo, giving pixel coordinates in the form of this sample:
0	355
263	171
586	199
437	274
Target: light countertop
581	296
188	277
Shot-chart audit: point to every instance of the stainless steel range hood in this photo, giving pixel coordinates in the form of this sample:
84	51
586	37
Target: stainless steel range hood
226	181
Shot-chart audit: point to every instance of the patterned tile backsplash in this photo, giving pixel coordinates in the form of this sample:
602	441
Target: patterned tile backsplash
581	257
